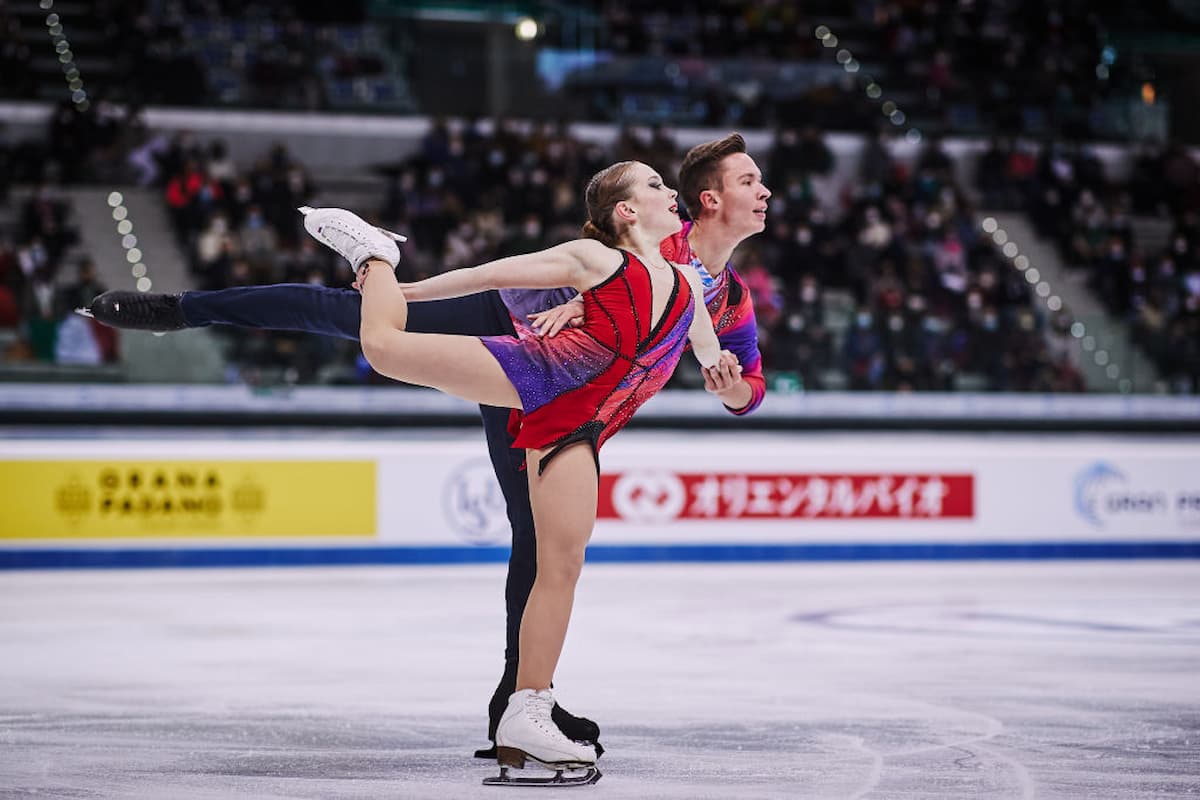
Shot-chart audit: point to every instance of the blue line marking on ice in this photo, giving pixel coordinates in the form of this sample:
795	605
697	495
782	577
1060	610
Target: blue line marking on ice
167	557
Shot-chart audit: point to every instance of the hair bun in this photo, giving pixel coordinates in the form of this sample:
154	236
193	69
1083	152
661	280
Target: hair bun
593	231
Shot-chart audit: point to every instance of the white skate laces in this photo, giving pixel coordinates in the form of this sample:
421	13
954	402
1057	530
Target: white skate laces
350	236
527	726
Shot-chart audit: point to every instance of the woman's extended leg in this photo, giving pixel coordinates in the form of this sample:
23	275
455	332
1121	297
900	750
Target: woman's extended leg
564	513
457	365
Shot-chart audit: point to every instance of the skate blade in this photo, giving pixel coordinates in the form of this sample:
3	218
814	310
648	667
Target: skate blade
561	777
85	312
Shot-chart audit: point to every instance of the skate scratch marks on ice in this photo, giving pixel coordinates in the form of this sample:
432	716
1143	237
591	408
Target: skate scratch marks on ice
872	781
992	728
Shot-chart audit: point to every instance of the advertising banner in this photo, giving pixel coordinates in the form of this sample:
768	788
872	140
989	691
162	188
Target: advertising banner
660	488
150	498
437	489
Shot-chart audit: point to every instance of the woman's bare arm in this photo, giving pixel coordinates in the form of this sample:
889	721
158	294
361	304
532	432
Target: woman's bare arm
581	264
705	344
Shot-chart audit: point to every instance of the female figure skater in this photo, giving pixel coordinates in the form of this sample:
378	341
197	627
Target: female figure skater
572	391
723	190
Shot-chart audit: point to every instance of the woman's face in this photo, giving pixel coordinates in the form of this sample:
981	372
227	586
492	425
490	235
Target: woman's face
652	202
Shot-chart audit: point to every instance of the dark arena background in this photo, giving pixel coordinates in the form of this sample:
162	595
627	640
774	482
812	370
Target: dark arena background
952	554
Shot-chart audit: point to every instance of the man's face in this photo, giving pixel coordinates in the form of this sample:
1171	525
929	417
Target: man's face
742	198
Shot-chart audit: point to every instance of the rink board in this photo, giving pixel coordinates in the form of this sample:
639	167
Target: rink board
664	496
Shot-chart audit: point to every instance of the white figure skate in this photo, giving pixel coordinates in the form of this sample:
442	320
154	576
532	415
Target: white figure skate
527	733
349	235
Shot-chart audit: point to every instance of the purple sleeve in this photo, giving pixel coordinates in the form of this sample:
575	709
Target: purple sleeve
737	329
523	302
742	340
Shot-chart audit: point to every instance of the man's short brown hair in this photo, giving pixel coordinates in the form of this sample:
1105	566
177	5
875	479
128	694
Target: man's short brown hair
701	169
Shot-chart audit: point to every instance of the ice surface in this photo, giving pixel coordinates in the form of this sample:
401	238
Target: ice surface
907	680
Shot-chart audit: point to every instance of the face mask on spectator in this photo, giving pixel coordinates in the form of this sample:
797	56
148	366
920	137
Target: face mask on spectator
863	320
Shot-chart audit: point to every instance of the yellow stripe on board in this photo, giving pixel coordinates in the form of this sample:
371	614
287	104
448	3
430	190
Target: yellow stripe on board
153	498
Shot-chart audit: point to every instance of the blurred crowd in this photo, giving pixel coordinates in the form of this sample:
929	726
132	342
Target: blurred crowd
262	53
40	287
964	66
1152	285
923	302
956	66
889	286
894	291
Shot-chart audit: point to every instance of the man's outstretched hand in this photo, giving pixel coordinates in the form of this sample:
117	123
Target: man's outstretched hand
550	322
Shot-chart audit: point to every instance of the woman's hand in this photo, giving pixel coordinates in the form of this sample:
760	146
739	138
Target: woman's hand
724	376
358	278
550	322
361	276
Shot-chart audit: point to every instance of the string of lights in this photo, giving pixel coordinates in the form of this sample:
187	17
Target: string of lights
1054	303
65	57
129	241
872	88
79	97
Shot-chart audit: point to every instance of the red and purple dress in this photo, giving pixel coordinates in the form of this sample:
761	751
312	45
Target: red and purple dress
585	383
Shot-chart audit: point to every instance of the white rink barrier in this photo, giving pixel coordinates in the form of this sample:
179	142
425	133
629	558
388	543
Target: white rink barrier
431	498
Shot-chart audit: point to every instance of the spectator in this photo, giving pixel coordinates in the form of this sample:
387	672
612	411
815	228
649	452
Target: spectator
83	290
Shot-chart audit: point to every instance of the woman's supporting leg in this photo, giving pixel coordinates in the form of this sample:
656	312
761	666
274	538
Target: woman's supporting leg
564	513
457	365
